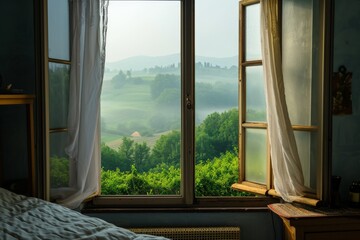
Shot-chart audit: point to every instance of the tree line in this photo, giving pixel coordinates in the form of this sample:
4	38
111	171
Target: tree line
134	168
217	134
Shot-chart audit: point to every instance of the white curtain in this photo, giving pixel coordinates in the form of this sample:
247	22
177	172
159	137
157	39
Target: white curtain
89	24
286	165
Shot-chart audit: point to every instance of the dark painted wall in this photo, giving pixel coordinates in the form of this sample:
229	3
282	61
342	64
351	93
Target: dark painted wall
253	225
17	52
17	67
346	128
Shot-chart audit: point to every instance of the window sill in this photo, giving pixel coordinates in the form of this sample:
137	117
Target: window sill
257	189
245	204
92	209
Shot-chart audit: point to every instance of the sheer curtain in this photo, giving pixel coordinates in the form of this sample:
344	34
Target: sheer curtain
89	24
286	165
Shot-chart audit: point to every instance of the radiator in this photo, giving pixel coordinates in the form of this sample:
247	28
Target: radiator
193	233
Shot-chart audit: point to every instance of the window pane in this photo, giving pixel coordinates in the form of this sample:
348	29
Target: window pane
59	162
216	91
255	155
255	95
59	75
58	29
300	60
252	42
308	153
140	100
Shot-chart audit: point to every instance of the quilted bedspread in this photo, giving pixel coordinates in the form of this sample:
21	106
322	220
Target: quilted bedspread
32	218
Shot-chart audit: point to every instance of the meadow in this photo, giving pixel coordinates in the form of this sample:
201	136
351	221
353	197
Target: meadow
132	107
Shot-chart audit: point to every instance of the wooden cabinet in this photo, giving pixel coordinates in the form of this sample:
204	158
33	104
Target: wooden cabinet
28	102
322	228
313	223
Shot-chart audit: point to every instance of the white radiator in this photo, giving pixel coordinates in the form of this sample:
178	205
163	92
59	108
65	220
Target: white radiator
193	233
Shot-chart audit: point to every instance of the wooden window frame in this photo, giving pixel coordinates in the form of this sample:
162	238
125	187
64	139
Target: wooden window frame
244	185
48	129
187	199
267	189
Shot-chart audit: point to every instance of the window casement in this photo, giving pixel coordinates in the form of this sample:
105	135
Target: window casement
57	50
302	46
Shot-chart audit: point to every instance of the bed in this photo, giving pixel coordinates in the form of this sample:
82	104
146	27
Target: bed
32	218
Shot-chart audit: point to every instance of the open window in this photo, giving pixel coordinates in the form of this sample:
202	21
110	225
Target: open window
182	106
57	85
202	131
302	60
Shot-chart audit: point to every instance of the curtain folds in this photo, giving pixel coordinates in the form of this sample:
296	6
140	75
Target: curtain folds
286	165
89	25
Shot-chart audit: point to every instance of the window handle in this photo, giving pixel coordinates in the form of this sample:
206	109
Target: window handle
188	103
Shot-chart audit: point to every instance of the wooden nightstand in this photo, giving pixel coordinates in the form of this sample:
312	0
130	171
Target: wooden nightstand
314	224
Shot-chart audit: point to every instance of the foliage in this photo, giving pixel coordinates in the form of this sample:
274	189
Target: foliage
217	95
110	159
213	178
157	170
167	149
217	134
59	75
120	79
59	172
165	181
129	154
162	82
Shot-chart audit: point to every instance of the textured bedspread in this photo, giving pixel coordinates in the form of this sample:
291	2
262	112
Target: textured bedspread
31	218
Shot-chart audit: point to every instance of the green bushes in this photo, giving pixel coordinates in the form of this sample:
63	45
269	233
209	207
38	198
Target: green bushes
59	172
212	178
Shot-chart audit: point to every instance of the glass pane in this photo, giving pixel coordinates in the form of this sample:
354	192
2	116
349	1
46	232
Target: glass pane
300	44
58	29
216	91
255	95
308	153
140	99
253	40
255	155
59	162
59	76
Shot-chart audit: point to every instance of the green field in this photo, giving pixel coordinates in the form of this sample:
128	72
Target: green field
132	107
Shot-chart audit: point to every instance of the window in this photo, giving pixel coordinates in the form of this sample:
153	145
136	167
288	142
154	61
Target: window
170	96
301	49
183	113
58	89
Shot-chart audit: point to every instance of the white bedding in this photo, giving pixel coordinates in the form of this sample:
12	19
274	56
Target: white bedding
32	218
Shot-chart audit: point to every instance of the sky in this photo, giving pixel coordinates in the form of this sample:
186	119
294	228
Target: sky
152	28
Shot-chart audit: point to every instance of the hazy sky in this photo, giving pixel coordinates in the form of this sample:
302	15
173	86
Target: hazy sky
152	28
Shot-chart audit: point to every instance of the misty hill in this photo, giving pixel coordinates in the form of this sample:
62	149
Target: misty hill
141	62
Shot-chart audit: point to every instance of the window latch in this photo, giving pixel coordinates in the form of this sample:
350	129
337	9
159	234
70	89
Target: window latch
188	103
